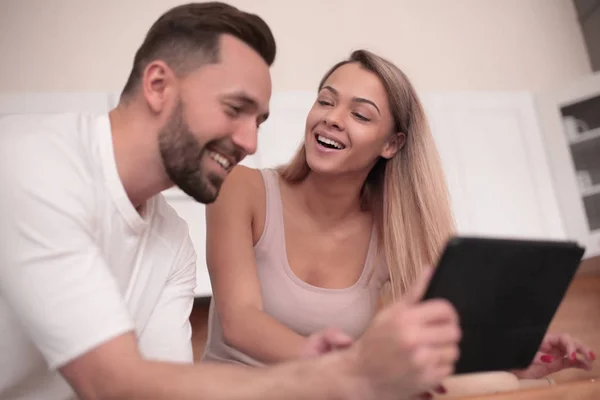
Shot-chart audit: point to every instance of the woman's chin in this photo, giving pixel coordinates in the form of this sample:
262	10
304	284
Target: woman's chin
322	167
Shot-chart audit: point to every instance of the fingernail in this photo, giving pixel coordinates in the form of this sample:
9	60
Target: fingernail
441	389
592	356
547	358
426	396
573	356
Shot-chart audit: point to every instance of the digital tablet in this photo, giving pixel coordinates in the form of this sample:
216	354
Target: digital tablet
506	292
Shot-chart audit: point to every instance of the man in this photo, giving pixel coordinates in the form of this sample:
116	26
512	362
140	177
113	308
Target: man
97	272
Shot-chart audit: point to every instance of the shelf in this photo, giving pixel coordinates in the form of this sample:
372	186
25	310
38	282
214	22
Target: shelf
586	136
590	191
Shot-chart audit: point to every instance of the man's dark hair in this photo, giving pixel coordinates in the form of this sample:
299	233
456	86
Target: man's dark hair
188	35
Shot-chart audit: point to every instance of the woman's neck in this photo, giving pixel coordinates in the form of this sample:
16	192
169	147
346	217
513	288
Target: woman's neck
329	198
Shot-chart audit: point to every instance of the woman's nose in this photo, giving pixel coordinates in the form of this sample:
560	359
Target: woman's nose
334	119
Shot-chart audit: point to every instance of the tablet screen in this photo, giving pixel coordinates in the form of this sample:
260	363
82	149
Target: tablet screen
506	292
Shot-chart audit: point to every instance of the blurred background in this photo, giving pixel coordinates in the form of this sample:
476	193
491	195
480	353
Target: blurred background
511	89
457	44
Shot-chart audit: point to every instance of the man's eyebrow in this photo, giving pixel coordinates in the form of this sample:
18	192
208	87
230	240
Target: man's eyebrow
355	99
242	97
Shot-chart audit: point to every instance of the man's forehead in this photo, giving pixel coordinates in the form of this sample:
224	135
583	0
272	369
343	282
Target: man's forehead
240	74
250	85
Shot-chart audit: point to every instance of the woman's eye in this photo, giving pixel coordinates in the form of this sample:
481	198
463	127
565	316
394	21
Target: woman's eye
323	102
361	117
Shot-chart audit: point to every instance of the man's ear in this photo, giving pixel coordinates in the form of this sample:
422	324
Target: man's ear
158	83
393	145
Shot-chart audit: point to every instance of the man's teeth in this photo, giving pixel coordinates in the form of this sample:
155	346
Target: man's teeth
328	141
220	159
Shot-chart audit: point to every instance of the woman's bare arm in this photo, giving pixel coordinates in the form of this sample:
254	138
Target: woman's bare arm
233	274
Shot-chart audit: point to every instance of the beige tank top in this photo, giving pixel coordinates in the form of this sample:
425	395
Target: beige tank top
304	308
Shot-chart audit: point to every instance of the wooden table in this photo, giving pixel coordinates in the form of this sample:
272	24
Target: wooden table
579	390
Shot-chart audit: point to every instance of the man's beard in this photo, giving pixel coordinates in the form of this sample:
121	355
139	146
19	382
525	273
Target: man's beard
182	157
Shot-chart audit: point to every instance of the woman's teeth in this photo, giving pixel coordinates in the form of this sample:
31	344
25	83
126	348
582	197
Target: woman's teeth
223	162
329	142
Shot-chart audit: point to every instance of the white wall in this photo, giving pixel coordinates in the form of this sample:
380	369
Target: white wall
80	45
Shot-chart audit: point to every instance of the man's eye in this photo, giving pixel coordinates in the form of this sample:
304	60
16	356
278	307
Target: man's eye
233	110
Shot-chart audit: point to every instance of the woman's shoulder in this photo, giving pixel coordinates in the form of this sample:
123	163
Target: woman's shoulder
244	188
244	176
242	180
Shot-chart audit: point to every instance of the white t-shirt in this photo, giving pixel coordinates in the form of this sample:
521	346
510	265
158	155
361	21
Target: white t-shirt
78	264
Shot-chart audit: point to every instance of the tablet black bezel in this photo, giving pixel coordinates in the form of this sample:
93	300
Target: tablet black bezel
524	345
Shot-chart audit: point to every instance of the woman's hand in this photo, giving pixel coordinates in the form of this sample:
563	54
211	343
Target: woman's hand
558	352
325	341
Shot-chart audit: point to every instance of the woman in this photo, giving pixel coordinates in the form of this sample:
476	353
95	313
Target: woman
358	212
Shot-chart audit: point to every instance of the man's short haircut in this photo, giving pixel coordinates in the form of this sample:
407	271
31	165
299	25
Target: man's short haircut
187	36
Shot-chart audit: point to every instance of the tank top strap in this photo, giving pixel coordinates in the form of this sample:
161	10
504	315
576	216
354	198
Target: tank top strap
273	230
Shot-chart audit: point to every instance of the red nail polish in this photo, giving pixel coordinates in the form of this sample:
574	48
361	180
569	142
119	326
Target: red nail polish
592	356
547	358
426	396
573	356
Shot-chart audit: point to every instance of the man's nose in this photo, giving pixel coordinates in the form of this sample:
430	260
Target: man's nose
246	138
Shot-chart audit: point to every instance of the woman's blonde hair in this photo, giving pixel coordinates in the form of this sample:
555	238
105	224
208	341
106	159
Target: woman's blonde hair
407	194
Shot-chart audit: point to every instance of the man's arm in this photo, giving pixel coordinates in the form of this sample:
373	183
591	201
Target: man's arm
54	278
409	348
52	275
115	370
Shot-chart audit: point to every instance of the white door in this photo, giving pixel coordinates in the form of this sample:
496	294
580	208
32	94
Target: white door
497	169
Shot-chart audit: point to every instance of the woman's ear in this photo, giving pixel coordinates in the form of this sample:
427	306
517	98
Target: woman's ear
393	145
